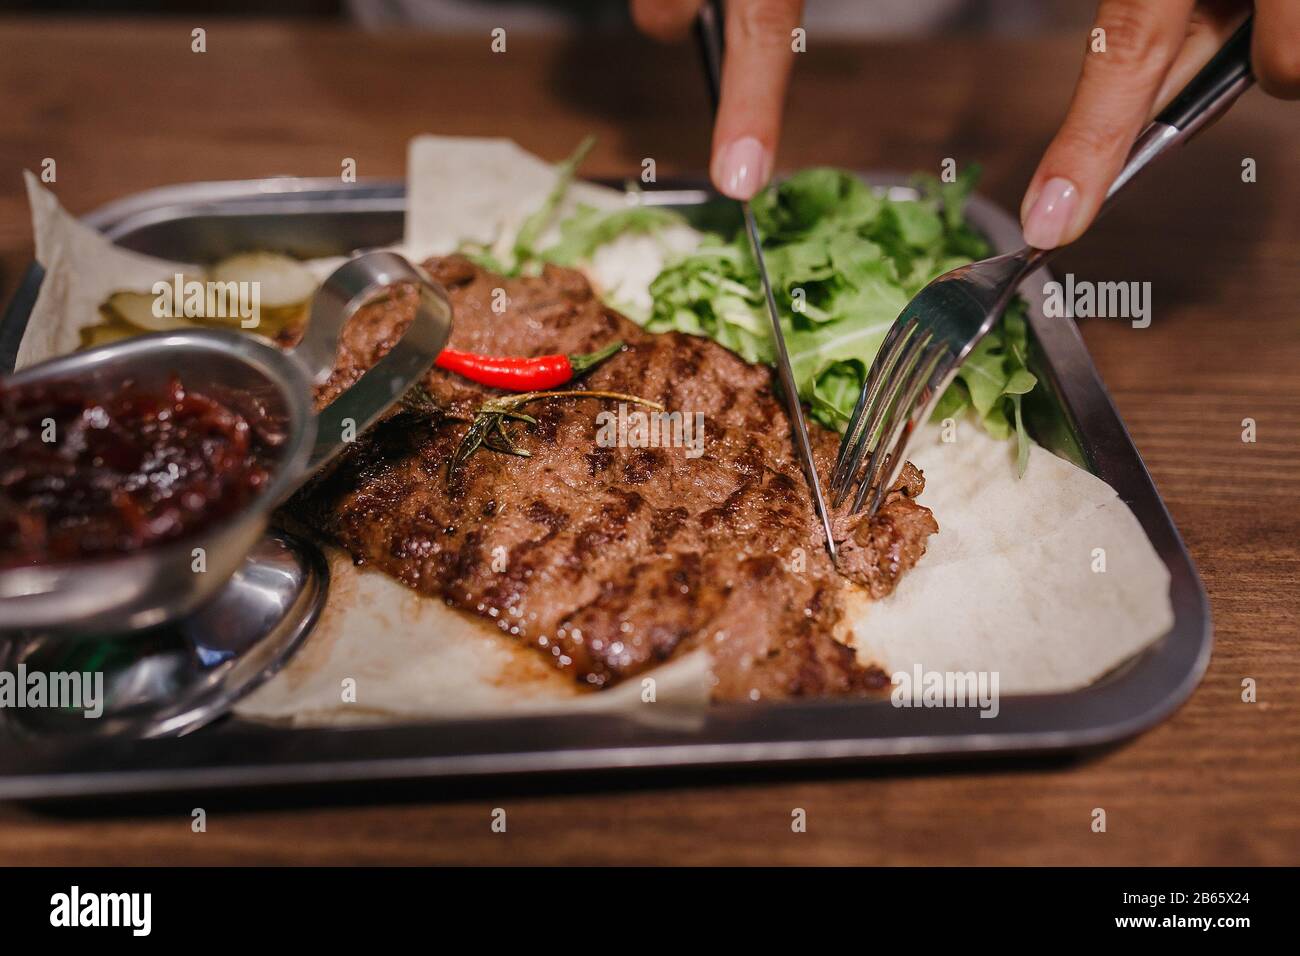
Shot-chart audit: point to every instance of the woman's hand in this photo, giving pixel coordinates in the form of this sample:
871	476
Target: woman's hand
755	73
1153	48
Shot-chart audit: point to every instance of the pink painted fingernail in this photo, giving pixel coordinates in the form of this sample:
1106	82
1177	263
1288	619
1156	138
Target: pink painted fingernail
742	168
1051	213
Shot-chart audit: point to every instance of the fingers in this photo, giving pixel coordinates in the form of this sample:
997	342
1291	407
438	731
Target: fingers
755	73
1275	47
1211	23
664	19
1111	103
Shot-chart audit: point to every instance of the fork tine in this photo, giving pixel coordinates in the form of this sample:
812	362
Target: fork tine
881	387
884	467
895	407
856	435
886	406
877	415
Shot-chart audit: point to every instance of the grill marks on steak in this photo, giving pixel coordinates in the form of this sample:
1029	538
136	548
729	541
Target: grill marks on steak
610	560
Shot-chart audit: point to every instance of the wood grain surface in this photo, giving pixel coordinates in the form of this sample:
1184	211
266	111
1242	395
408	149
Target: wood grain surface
124	106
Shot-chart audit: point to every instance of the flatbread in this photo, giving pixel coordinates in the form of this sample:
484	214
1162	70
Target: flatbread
1047	580
462	189
382	652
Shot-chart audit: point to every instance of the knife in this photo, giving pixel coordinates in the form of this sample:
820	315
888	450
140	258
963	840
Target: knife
708	31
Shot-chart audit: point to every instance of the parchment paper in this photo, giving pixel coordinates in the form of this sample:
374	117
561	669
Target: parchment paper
82	269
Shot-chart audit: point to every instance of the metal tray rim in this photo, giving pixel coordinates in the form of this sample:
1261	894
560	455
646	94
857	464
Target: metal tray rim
1107	715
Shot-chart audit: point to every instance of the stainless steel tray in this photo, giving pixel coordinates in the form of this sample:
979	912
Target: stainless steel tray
1073	416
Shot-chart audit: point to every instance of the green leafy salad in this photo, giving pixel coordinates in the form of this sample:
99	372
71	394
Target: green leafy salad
843	260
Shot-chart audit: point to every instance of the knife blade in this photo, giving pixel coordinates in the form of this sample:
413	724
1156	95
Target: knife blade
709	33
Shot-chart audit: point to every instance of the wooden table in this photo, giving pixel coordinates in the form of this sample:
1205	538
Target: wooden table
125	106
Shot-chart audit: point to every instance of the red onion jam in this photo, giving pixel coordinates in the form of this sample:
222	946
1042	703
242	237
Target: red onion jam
87	472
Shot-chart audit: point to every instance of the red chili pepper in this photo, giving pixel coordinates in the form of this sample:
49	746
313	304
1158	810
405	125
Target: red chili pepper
516	374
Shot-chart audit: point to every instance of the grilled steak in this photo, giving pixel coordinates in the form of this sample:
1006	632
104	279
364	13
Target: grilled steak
605	557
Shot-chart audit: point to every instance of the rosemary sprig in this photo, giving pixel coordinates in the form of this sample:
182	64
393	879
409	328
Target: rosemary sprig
418	400
488	430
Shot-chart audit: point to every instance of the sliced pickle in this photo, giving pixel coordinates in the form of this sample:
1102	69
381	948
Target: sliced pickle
283	281
284	288
137	309
111	330
276	320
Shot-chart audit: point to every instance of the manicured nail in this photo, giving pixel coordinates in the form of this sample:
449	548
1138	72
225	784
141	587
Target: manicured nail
1052	213
742	168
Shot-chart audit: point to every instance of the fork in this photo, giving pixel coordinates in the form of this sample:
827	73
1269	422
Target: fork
936	332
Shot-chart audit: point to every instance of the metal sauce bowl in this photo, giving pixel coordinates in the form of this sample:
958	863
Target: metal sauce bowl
159	583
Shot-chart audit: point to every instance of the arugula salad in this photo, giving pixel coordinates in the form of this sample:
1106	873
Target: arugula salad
843	260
